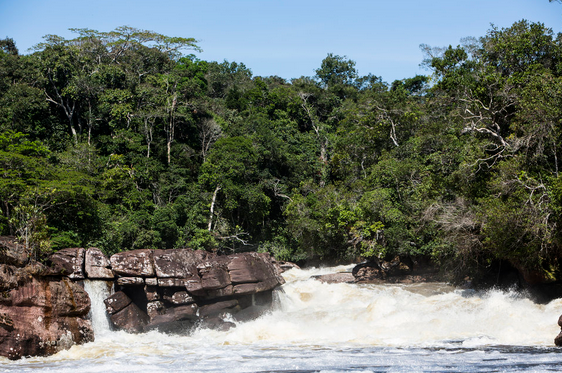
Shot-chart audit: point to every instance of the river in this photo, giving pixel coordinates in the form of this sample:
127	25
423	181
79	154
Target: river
329	328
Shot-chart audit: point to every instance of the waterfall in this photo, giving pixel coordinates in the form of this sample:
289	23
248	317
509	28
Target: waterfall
98	290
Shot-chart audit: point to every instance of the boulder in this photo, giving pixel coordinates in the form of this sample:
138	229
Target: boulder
336	278
135	263
41	317
97	265
285	266
69	262
216	308
116	302
12	252
179	297
214	274
131	319
173	320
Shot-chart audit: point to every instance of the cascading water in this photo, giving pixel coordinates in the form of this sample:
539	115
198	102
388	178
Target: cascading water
98	291
318	327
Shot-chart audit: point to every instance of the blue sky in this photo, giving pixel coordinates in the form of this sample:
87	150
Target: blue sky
288	38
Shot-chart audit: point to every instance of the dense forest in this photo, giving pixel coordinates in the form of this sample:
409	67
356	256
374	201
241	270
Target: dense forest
122	140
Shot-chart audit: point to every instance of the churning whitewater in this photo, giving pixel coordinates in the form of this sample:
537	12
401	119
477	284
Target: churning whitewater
317	327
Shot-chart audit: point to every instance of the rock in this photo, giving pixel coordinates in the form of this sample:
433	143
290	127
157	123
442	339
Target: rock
179	263
10	276
131	319
151	281
173	282
214	274
560	321
41	317
135	263
253	288
175	320
151	293
214	309
131	281
181	297
285	266
336	278
116	302
155	308
97	265
69	262
403	270
216	323
558	340
12	252
189	286
252	267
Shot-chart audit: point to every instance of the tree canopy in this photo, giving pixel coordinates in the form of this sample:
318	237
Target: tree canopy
121	140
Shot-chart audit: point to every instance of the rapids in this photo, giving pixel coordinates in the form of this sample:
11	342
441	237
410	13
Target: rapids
316	327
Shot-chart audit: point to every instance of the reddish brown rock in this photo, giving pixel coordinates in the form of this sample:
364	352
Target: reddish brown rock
181	297
69	262
42	317
135	263
10	276
173	282
214	273
558	340
253	273
216	308
336	278
13	252
179	263
116	302
131	319
155	308
256	287
130	281
285	266
97	265
151	293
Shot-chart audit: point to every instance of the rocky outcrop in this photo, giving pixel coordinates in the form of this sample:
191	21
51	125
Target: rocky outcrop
12	252
399	269
97	265
38	315
44	309
336	278
173	290
69	262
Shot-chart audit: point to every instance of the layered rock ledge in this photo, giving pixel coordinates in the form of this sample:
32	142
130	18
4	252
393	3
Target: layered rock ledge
44	309
173	290
41	312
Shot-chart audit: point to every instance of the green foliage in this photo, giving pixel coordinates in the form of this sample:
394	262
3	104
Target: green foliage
117	140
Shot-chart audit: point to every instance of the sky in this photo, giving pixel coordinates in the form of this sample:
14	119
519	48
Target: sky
286	38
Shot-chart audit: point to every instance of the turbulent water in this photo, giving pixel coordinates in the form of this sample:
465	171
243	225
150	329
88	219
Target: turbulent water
317	327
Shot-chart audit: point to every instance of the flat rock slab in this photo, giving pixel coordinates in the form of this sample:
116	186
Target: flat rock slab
134	263
70	261
116	302
97	265
131	319
336	278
